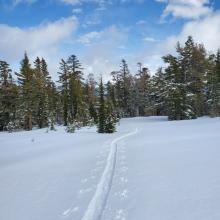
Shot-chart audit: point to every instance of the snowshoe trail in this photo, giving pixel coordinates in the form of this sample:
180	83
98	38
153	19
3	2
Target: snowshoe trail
98	201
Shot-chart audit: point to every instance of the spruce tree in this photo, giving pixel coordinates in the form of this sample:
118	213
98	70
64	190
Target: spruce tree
91	99
107	116
125	88
8	97
142	85
40	95
156	93
193	61
102	109
64	81
123	83
111	117
26	84
214	96
75	87
176	96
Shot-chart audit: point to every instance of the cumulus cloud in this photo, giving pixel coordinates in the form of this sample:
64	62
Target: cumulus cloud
17	2
16	40
189	9
102	56
71	2
42	40
89	37
205	31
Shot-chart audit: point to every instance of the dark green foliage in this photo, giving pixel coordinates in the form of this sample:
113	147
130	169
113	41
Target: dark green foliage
8	97
63	80
102	109
107	119
91	98
26	84
214	86
185	81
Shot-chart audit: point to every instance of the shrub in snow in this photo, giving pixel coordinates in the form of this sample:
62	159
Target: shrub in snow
12	126
71	128
51	122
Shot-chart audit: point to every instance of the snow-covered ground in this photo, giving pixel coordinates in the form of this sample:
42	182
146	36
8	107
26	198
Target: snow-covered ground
150	169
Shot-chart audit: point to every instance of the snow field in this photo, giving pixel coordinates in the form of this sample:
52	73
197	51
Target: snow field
165	170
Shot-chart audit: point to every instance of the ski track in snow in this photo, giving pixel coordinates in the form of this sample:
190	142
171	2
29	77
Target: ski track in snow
98	202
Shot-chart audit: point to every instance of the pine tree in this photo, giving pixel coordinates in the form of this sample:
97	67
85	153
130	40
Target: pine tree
102	109
63	79
91	99
41	101
26	80
111	116
107	116
156	94
123	83
111	97
8	98
214	100
176	97
75	87
193	61
142	85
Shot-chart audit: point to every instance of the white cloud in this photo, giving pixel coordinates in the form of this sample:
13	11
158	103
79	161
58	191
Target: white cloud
101	4
77	11
150	39
42	40
71	2
189	9
102	56
17	2
89	37
205	31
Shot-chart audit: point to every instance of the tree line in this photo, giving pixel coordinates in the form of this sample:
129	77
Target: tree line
187	88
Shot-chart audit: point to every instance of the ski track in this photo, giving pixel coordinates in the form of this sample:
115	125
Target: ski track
98	202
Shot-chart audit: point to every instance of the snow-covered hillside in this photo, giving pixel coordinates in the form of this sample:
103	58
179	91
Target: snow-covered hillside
150	169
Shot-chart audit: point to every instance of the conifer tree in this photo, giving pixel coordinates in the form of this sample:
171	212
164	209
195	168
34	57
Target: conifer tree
111	119
26	83
102	109
107	116
176	97
142	86
156	94
192	58
63	79
8	97
214	100
75	86
125	83
91	98
110	89
40	95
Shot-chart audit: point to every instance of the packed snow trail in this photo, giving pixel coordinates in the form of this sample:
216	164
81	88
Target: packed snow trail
97	203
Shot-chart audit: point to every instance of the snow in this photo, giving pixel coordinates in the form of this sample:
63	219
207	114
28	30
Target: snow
150	169
98	202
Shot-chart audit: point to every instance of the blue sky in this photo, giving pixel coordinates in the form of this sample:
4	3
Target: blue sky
102	32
